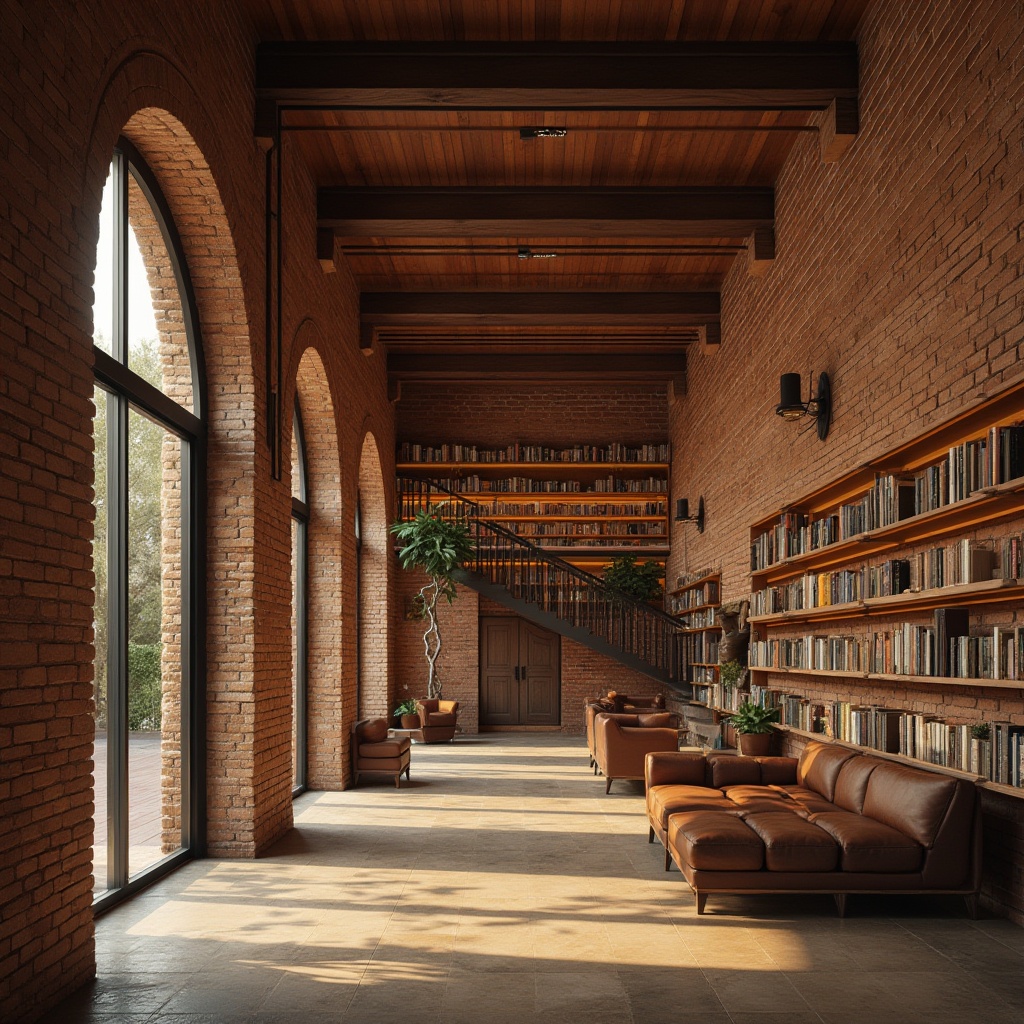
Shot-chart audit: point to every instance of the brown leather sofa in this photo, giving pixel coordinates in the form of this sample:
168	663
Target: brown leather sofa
373	751
837	821
438	719
622	742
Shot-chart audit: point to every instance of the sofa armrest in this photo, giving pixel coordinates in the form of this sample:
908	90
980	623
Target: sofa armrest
674	768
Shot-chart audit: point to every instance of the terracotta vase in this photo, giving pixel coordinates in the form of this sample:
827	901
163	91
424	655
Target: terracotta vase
754	744
410	721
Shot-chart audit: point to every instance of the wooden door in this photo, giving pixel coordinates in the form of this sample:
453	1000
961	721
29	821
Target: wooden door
519	674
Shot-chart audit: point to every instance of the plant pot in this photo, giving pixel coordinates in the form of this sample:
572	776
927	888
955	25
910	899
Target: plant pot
410	721
754	744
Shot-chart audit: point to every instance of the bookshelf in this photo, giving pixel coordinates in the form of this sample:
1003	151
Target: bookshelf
695	602
883	578
587	504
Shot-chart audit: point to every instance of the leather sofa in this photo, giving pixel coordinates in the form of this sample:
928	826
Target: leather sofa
622	742
373	751
622	704
438	719
835	821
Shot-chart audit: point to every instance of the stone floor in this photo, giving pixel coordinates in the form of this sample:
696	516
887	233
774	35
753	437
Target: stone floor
502	885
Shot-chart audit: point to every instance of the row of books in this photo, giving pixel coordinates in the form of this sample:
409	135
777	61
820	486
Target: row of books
614	528
699	648
992	750
687	578
409	452
946	648
702	674
821	589
708	593
527	485
561	508
706	618
892	498
715	695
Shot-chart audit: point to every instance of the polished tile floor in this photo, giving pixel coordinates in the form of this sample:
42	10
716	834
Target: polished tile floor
504	886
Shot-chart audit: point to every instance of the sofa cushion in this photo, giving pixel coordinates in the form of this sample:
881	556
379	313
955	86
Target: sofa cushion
658	720
749	799
713	841
792	843
663	801
805	801
819	767
734	771
373	730
908	799
435	718
674	768
868	845
386	748
778	771
852	784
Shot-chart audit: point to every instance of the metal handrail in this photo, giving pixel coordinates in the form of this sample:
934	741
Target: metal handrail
534	575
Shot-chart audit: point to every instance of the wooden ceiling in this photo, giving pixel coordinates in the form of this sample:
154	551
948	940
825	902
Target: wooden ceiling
677	119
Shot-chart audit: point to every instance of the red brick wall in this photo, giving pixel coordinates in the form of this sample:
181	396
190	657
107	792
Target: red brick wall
898	271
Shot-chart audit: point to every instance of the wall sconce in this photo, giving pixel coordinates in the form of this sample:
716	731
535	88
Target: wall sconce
791	406
683	513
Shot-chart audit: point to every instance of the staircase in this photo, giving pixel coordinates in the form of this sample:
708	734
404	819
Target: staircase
553	593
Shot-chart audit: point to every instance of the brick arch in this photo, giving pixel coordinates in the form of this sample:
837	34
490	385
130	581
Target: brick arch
374	559
330	689
147	100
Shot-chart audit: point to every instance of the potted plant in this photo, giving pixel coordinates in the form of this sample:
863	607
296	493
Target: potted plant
641	582
436	546
753	725
729	673
407	715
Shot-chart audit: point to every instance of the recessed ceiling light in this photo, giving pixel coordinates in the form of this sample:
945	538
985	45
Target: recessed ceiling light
543	133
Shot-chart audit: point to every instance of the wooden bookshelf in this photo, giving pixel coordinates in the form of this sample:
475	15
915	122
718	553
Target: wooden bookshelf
587	511
695	602
973	462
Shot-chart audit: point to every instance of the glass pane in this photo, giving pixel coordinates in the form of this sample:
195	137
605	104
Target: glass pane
154	643
103	284
157	343
298	459
99	560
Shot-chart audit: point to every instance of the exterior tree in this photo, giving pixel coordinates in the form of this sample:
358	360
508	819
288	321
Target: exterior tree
436	546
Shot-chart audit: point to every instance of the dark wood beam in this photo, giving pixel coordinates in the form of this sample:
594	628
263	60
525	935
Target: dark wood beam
545	212
555	366
383	310
839	128
557	76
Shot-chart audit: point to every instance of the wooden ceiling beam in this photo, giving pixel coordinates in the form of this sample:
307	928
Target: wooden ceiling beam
381	310
557	76
555	366
554	212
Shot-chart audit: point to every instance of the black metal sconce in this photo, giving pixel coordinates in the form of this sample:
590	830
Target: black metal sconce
792	406
683	513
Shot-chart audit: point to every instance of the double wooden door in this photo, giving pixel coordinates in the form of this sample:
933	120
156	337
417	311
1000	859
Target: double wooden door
519	673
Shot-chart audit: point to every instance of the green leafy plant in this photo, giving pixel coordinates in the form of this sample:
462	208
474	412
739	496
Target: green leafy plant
981	731
407	707
729	673
436	546
641	582
752	719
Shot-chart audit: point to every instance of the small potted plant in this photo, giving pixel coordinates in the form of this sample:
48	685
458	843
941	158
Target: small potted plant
729	673
407	714
753	725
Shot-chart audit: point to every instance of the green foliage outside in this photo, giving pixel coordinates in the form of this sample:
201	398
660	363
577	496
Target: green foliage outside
640	582
144	689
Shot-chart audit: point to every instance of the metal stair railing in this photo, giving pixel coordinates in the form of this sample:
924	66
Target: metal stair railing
533	575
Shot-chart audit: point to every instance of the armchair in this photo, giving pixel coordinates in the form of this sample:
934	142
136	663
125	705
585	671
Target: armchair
374	751
438	719
622	742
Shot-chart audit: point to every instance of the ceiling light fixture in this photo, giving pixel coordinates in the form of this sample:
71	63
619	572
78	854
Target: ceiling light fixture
543	133
524	252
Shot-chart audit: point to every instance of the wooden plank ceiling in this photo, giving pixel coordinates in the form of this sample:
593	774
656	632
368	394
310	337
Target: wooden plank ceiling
677	119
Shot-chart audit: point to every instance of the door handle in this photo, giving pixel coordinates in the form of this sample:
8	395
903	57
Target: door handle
523	674
517	673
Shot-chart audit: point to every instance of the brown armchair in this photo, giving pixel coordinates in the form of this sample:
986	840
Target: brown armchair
374	751
438	719
622	742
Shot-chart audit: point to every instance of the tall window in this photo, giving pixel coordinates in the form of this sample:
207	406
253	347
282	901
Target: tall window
300	591
148	439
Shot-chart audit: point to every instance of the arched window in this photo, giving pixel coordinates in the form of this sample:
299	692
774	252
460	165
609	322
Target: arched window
149	456
300	602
